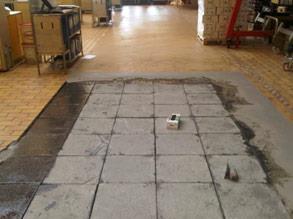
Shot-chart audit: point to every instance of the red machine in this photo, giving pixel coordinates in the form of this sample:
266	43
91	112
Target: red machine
233	36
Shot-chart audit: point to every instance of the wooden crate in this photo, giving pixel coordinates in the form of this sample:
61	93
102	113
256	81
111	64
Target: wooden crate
49	34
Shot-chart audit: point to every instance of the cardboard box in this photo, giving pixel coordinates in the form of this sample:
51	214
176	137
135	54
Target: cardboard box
214	17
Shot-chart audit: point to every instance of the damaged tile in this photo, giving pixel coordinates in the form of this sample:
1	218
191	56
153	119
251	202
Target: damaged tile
134	126
248	168
61	201
108	88
142	144
75	169
129	169
178	144
99	111
92	126
85	145
182	169
244	201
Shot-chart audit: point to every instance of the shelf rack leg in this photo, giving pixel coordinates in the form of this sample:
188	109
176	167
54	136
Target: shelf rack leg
233	19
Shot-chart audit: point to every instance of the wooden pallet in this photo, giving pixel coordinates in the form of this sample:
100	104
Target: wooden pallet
210	41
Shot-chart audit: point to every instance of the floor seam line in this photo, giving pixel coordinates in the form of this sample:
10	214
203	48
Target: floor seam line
106	154
155	152
206	158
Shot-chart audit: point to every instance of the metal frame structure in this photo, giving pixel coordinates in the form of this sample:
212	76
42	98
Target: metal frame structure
233	36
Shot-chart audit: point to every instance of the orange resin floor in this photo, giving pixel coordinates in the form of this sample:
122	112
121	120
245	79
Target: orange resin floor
23	95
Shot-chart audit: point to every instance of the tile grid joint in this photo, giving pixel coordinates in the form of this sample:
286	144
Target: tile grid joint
106	154
206	158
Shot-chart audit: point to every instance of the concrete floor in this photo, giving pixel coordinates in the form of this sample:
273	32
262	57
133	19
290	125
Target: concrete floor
101	150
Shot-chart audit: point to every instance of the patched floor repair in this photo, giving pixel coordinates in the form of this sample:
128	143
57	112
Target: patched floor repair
102	150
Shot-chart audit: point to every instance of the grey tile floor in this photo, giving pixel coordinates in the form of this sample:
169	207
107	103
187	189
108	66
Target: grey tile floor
120	161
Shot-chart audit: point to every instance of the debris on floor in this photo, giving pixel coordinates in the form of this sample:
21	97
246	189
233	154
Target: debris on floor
231	175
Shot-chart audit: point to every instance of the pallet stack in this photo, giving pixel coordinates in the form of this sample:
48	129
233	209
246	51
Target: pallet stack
214	16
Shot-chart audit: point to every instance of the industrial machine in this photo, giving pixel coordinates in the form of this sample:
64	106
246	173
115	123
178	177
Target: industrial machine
57	33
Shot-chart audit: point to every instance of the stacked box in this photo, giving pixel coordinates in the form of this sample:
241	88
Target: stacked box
214	17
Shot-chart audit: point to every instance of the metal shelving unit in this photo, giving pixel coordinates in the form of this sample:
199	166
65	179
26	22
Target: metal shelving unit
233	35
